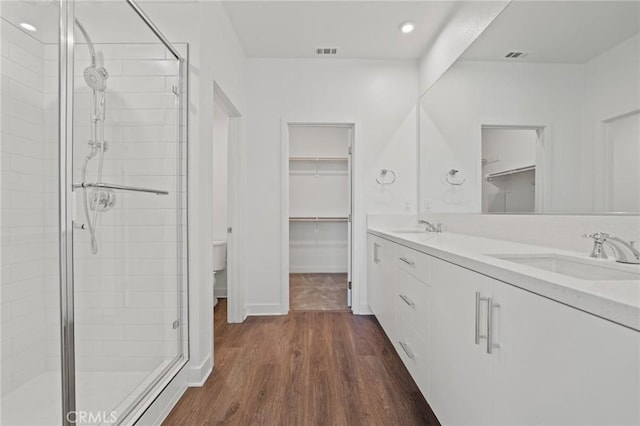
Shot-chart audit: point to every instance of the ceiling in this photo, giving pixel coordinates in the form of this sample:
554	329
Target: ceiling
106	21
571	32
359	29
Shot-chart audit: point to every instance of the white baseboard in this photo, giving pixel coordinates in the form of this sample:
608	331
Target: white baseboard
263	309
317	270
198	374
220	292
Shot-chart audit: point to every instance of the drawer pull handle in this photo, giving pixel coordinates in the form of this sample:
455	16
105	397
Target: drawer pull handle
491	306
406	350
478	300
376	247
407	261
407	301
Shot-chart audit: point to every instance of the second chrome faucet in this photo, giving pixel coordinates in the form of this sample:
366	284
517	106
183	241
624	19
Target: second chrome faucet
430	226
624	251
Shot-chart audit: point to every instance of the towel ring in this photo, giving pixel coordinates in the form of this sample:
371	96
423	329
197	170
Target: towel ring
451	176
383	175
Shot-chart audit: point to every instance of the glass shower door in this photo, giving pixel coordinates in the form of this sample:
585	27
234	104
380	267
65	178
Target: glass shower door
128	216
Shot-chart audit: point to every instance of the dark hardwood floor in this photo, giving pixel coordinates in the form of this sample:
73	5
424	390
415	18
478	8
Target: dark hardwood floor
306	368
318	292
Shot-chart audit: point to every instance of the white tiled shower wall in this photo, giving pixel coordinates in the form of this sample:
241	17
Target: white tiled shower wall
29	250
126	295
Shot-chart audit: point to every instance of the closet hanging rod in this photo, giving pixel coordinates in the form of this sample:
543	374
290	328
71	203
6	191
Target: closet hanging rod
318	158
318	219
490	176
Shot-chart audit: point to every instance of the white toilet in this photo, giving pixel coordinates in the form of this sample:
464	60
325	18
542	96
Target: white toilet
219	262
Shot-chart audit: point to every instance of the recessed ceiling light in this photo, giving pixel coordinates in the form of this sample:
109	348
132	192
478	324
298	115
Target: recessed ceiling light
407	27
28	27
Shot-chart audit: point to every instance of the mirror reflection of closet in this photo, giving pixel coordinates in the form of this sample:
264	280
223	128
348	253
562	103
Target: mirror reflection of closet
509	169
577	75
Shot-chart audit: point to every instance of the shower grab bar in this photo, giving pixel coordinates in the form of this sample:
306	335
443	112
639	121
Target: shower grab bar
119	187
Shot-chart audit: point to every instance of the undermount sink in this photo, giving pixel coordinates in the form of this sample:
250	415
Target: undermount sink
409	231
585	269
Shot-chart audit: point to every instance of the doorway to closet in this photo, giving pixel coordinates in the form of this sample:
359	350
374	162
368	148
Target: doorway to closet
319	216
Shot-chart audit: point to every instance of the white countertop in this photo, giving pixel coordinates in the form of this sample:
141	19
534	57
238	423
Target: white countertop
617	301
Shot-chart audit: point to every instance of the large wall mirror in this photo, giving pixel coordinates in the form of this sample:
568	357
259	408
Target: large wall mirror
541	114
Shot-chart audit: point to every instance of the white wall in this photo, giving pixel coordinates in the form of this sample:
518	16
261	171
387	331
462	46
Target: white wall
612	89
215	55
380	97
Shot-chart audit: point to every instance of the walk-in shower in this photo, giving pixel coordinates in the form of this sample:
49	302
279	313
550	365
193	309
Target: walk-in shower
92	213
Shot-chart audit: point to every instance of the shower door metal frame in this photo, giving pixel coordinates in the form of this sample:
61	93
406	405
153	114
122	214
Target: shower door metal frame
65	160
65	213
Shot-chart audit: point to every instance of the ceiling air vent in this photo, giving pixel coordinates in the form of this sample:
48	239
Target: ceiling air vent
326	51
515	55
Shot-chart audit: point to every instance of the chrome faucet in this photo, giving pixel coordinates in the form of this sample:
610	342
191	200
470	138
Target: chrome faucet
430	227
624	251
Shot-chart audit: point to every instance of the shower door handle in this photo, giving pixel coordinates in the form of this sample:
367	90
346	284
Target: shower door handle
120	187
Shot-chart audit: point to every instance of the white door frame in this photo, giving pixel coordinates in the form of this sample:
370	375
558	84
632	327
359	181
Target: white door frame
604	167
284	205
543	157
235	302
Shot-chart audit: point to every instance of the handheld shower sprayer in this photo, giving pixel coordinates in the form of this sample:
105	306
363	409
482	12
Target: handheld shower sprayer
99	200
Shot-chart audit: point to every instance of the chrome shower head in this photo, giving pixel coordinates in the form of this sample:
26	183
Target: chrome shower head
96	78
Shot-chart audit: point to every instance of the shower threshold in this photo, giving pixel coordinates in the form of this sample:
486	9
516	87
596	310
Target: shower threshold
37	402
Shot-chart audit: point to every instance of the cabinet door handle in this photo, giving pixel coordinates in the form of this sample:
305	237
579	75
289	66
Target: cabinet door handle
490	306
478	300
407	261
406	350
407	301
376	259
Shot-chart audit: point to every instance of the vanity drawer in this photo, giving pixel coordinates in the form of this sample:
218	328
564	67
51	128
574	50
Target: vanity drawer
413	262
412	303
413	353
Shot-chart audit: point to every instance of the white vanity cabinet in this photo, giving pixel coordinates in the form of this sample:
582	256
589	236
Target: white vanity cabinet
485	352
380	273
412	298
460	368
399	298
557	365
545	363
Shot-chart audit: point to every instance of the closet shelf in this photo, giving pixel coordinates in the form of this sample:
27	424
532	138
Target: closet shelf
318	158
490	176
318	219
